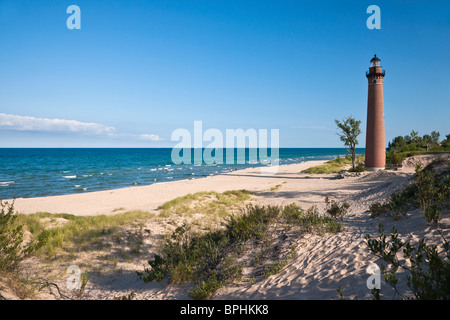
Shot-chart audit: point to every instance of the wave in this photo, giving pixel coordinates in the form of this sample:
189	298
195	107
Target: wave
6	183
53	177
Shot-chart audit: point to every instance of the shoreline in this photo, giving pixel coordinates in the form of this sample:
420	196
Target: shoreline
149	197
69	171
321	262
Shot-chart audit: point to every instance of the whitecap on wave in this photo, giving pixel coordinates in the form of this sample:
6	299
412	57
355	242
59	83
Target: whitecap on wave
6	183
69	177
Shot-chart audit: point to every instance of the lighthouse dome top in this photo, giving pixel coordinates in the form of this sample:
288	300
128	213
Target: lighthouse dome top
375	62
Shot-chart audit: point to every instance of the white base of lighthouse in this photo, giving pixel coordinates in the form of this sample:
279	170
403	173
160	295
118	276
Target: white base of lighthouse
375	168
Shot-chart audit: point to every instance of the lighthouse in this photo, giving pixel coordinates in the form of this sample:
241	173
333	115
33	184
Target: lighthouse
375	138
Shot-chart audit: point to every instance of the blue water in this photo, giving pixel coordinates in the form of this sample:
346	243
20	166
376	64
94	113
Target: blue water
37	172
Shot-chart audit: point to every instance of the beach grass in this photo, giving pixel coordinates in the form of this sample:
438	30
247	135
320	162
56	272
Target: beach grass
277	187
65	235
70	233
211	203
429	190
94	243
260	240
336	165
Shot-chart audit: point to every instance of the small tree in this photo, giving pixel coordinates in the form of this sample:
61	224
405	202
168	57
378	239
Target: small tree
431	140
427	140
397	144
350	131
415	138
435	137
446	142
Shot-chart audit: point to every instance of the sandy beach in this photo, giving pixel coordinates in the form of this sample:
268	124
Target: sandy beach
321	263
149	197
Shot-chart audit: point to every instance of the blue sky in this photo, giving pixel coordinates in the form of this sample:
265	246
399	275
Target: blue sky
138	70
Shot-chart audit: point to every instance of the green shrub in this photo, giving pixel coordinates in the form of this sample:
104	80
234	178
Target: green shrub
428	269
12	247
444	193
425	183
292	213
211	259
431	192
276	267
204	288
428	191
311	220
377	208
399	204
393	158
334	165
253	224
336	210
358	168
432	213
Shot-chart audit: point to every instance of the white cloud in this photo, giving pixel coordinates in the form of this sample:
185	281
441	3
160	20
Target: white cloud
150	137
25	123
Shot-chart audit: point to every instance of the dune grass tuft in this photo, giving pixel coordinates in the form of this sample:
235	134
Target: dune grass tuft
208	203
335	165
215	258
77	232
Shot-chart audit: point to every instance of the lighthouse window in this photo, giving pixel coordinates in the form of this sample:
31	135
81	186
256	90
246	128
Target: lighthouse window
374	81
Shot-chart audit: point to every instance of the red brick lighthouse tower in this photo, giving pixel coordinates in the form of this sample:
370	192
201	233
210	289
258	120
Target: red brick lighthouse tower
375	139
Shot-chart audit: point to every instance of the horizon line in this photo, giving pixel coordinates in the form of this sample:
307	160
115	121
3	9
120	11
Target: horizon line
168	148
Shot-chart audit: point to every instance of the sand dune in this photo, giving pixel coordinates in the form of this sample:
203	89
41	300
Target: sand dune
321	264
